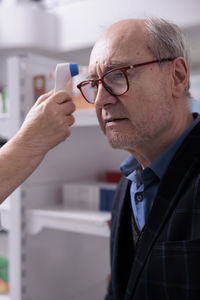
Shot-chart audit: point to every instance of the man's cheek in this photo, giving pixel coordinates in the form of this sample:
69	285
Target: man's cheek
100	119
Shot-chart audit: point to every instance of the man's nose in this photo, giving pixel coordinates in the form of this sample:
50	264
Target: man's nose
103	97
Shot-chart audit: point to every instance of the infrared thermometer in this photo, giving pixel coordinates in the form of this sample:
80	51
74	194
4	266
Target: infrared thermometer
63	73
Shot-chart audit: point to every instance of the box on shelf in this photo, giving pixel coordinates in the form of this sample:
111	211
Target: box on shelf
4	286
88	196
3	100
113	176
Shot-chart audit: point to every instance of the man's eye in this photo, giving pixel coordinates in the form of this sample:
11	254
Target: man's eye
119	75
93	84
116	75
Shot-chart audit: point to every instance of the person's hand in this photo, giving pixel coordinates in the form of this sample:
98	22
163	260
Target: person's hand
47	123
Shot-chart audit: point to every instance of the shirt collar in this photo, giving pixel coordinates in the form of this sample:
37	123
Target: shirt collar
129	165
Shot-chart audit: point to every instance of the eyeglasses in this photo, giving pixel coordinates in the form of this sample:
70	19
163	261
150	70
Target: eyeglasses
115	81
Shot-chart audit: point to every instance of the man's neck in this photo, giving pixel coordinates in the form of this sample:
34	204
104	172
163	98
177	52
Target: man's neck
148	152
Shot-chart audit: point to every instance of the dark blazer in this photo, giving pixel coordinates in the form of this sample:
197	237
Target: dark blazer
165	263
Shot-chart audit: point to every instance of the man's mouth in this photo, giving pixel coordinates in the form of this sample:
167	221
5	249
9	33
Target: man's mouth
111	120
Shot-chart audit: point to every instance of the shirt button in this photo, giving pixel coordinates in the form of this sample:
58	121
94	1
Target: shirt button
138	197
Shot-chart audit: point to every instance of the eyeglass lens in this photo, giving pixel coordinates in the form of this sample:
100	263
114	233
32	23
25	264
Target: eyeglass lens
114	82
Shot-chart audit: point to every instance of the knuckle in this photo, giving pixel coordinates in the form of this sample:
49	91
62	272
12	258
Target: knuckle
70	106
62	96
70	120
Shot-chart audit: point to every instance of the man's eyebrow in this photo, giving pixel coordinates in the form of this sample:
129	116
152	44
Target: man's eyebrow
113	65
108	67
91	76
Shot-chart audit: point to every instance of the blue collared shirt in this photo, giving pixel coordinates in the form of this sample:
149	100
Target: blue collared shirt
145	183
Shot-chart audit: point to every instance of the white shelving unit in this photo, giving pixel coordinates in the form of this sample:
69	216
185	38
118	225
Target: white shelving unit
44	237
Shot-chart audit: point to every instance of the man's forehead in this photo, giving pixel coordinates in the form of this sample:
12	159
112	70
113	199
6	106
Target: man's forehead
123	36
108	54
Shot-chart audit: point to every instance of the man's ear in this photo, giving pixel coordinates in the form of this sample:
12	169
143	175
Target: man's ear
179	77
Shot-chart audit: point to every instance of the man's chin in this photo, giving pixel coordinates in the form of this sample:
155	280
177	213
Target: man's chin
119	143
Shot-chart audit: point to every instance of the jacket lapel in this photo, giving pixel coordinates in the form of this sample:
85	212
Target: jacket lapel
122	252
177	175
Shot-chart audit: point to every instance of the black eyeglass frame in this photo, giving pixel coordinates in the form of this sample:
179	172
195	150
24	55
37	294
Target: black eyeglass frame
124	70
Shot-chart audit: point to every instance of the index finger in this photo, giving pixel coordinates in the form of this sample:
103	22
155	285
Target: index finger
60	97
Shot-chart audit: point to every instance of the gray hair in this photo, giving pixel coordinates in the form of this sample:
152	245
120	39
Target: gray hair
166	40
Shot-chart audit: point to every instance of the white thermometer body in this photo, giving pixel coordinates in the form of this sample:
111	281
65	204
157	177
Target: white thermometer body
63	73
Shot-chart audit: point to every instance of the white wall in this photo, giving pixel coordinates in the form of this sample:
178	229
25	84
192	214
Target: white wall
77	25
82	22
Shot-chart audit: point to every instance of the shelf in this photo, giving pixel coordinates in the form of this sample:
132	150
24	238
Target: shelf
4	115
4	297
84	222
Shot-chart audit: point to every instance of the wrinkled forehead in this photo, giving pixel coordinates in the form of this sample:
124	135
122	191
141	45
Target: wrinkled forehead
120	44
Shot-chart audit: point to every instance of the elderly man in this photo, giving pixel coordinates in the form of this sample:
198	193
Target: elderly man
138	80
46	125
